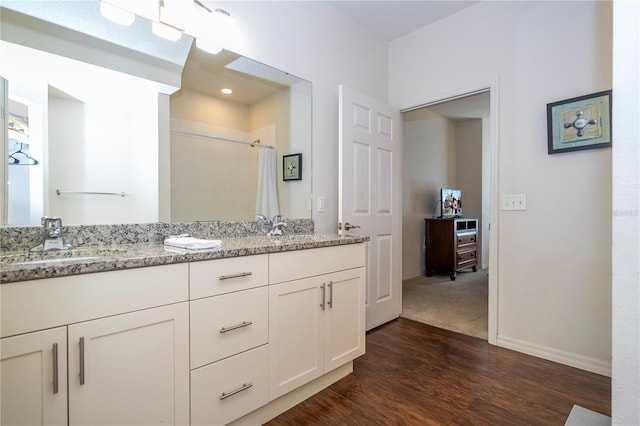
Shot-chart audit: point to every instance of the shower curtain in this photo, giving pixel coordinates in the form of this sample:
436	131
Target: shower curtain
267	198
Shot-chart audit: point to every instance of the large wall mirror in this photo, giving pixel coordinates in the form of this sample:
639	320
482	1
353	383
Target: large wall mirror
99	133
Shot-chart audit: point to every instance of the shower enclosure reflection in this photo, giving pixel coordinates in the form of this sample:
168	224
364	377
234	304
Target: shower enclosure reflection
220	141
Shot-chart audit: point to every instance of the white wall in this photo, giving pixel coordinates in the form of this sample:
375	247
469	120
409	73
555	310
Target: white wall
427	146
626	217
554	265
469	167
315	41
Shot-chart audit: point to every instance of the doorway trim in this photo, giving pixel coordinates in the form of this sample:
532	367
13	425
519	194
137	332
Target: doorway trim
491	86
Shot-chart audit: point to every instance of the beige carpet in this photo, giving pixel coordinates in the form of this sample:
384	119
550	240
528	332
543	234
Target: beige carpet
459	305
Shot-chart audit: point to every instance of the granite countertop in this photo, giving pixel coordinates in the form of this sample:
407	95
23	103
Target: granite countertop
24	266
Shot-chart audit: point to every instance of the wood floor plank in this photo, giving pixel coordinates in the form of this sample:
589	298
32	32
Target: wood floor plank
415	374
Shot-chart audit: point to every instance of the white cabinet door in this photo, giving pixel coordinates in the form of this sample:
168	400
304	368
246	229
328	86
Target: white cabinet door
131	369
295	334
315	325
34	378
344	322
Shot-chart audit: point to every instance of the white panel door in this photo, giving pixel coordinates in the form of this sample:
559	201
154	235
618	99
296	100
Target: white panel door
370	196
34	378
131	369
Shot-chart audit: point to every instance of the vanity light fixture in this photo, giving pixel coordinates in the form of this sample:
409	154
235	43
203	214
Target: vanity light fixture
212	30
165	31
117	15
226	91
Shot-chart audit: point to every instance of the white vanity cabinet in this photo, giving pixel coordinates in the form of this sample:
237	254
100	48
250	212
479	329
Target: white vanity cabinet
229	338
316	313
34	378
124	335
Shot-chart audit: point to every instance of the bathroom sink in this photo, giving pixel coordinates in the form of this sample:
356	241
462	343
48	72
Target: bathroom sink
53	261
298	238
78	255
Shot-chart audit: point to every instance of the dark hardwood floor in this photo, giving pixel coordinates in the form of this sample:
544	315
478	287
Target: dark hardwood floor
415	374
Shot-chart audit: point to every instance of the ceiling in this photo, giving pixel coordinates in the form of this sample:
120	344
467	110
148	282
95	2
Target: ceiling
393	19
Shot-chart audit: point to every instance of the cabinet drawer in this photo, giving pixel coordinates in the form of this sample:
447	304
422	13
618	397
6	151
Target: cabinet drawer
229	389
466	239
212	277
466	257
39	304
225	325
293	265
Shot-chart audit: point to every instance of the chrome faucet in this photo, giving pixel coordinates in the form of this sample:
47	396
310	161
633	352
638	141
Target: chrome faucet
52	235
276	226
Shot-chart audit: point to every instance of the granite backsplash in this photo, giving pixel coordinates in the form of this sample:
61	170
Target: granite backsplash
20	238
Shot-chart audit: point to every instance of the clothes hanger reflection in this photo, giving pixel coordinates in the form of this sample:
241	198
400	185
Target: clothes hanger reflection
19	161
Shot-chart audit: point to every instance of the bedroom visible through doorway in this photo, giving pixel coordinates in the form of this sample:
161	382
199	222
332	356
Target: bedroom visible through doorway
446	145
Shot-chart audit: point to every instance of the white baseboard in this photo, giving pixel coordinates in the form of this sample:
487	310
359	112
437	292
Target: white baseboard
567	358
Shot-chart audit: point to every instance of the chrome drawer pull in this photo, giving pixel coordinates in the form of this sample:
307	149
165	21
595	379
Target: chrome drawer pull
225	395
234	327
241	274
55	368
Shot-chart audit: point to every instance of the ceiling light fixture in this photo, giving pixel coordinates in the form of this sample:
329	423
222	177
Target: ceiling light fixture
226	91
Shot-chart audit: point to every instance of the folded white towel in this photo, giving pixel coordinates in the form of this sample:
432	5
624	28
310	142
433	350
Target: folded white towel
192	243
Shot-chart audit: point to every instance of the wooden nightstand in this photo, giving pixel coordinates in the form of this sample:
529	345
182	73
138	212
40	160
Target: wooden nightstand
451	245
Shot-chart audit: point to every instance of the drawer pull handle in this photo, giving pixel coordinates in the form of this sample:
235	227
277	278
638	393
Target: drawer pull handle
225	395
82	360
330	295
55	368
228	277
324	296
234	327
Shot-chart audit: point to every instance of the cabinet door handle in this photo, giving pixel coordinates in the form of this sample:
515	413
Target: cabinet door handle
324	291
225	395
330	294
82	360
241	274
234	327
55	368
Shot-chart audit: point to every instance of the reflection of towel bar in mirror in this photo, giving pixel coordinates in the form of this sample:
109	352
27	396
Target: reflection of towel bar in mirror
197	135
60	192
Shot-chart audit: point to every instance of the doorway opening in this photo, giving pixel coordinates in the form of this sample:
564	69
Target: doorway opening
451	143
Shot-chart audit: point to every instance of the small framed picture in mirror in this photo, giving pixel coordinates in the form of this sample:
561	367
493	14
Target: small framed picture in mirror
292	167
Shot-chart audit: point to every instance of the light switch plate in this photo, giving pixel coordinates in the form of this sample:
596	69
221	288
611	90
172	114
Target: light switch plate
320	204
514	202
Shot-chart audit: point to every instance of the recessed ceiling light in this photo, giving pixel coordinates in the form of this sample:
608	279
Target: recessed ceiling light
226	91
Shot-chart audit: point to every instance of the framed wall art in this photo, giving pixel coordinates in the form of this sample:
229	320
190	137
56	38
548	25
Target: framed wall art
292	167
579	123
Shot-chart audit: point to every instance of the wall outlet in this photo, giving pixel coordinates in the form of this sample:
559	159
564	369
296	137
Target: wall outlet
514	202
320	204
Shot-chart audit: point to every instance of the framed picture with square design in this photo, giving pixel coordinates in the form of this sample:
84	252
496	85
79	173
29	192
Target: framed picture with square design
579	123
292	167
